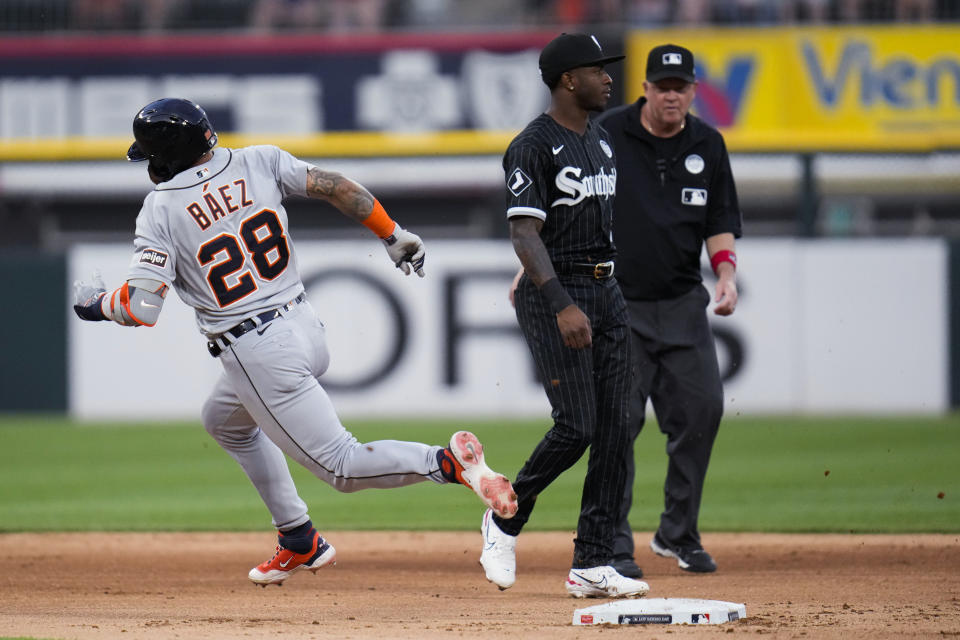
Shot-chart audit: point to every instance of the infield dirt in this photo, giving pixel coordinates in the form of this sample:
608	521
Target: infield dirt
424	585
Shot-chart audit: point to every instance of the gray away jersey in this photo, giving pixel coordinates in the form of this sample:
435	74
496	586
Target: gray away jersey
217	233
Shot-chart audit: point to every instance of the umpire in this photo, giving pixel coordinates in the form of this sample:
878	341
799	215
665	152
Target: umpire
561	180
676	192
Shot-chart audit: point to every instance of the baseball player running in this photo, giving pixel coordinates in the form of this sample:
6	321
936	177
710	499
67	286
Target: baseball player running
215	230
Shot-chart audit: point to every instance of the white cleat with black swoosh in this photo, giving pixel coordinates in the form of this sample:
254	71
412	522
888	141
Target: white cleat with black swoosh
604	582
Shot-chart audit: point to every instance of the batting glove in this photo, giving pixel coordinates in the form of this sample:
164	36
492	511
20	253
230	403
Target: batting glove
86	298
406	250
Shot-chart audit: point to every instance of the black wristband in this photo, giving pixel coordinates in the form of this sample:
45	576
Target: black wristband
556	295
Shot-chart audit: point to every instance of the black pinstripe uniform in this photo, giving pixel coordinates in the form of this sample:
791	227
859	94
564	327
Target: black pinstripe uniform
568	181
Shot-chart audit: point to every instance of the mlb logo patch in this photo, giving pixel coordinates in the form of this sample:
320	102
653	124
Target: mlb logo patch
203	172
694	197
518	182
672	58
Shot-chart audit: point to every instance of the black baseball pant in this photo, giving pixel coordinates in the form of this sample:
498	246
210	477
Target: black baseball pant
676	367
588	392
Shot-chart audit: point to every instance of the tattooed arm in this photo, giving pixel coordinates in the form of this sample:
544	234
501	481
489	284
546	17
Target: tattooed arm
525	236
404	248
573	324
352	199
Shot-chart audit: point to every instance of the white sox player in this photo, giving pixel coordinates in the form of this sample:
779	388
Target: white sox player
216	231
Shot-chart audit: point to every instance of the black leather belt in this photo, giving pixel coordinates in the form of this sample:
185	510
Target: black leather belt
213	345
599	271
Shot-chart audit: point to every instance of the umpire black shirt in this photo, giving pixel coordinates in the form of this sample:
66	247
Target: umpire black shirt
673	194
568	181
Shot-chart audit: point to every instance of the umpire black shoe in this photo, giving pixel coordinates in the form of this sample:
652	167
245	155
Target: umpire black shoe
626	567
693	560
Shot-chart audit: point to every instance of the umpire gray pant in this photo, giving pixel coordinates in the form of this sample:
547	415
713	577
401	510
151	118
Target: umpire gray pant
675	360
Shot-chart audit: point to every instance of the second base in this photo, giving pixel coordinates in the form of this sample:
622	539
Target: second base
661	611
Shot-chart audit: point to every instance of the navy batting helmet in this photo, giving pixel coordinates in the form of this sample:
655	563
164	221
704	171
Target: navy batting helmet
172	134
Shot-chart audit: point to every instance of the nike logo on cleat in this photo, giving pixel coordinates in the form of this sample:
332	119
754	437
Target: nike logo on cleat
488	543
284	564
600	584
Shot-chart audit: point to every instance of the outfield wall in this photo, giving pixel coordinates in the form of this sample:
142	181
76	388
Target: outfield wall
822	327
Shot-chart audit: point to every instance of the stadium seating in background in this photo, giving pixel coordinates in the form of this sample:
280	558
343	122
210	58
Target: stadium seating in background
24	16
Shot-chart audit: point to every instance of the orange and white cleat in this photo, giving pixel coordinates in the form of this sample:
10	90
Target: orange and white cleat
286	562
463	462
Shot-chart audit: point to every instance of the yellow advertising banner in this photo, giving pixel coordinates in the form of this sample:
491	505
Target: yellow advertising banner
876	88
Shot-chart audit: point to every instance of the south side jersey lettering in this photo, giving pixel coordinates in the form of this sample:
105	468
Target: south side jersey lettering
569	181
218	203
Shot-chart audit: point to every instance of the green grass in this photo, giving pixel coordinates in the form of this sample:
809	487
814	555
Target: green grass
767	474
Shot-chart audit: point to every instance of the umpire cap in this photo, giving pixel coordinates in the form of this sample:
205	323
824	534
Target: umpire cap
670	61
570	51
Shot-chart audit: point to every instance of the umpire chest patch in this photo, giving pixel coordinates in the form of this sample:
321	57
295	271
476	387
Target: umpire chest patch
694	197
694	163
154	257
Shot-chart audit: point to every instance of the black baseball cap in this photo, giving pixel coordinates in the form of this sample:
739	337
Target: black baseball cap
670	61
570	51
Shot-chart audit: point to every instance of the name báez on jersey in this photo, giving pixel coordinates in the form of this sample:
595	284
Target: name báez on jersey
568	181
214	207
